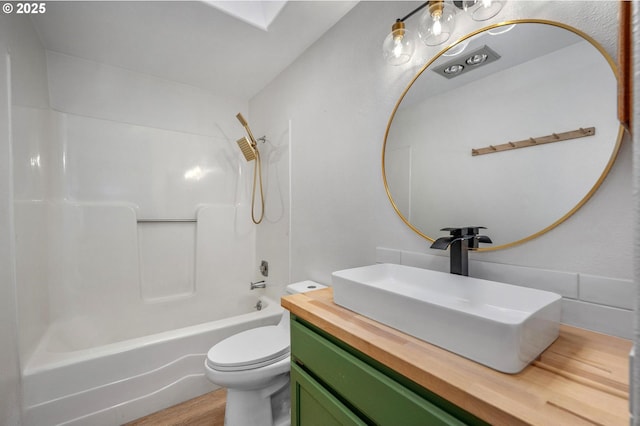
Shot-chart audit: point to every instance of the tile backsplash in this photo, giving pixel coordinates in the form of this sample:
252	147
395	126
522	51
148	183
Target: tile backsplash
601	304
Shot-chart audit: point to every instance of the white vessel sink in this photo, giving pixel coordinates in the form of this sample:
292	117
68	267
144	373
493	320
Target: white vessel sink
502	326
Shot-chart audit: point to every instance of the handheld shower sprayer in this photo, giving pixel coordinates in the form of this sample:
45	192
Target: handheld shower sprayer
249	148
241	119
247	128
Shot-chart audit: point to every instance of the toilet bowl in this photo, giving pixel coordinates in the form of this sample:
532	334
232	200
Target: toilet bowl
254	366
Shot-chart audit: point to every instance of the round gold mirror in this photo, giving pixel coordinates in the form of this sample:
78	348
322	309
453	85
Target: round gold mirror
513	128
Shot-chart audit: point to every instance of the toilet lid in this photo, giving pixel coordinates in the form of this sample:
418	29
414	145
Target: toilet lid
250	349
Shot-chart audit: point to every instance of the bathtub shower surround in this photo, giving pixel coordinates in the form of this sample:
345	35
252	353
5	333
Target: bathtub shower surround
132	227
145	212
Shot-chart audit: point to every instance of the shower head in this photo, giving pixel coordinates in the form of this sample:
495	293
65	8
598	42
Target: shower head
246	126
247	148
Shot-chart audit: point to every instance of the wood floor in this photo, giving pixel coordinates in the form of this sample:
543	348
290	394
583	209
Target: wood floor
205	410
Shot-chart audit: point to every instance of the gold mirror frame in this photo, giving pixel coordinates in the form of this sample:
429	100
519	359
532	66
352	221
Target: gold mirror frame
589	194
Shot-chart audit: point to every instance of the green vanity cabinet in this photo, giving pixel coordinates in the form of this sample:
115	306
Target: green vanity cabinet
334	384
315	405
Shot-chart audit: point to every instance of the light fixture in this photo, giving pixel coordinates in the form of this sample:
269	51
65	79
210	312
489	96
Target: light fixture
480	10
435	27
487	9
437	23
398	46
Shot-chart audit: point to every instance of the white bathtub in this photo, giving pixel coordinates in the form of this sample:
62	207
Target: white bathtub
122	381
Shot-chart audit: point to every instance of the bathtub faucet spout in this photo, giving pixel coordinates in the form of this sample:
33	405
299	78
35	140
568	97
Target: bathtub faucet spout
258	284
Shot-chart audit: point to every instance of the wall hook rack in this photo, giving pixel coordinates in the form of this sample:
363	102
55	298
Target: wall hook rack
554	137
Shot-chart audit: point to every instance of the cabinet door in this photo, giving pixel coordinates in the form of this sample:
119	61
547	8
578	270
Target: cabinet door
370	392
313	405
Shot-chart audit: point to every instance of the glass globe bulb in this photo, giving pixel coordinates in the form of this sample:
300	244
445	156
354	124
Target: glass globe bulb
398	46
436	23
486	9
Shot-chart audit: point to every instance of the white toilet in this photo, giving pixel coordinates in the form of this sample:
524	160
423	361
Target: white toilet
254	367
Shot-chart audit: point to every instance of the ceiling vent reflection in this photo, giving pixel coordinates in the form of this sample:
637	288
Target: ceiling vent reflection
470	61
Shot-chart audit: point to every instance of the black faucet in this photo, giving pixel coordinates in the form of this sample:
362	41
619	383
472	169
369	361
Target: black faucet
461	240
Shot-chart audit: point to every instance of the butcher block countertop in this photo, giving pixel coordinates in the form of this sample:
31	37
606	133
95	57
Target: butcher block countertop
581	379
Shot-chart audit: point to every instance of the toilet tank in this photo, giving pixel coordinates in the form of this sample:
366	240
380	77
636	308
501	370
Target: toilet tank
304	286
294	288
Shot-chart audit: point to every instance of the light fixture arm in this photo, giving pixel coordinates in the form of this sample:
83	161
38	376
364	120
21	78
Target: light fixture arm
413	12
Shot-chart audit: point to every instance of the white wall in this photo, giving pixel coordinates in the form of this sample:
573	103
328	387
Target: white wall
339	96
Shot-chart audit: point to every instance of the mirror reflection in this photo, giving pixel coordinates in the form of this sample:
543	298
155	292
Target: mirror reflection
542	80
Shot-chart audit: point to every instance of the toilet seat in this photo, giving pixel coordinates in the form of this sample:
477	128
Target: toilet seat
250	349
